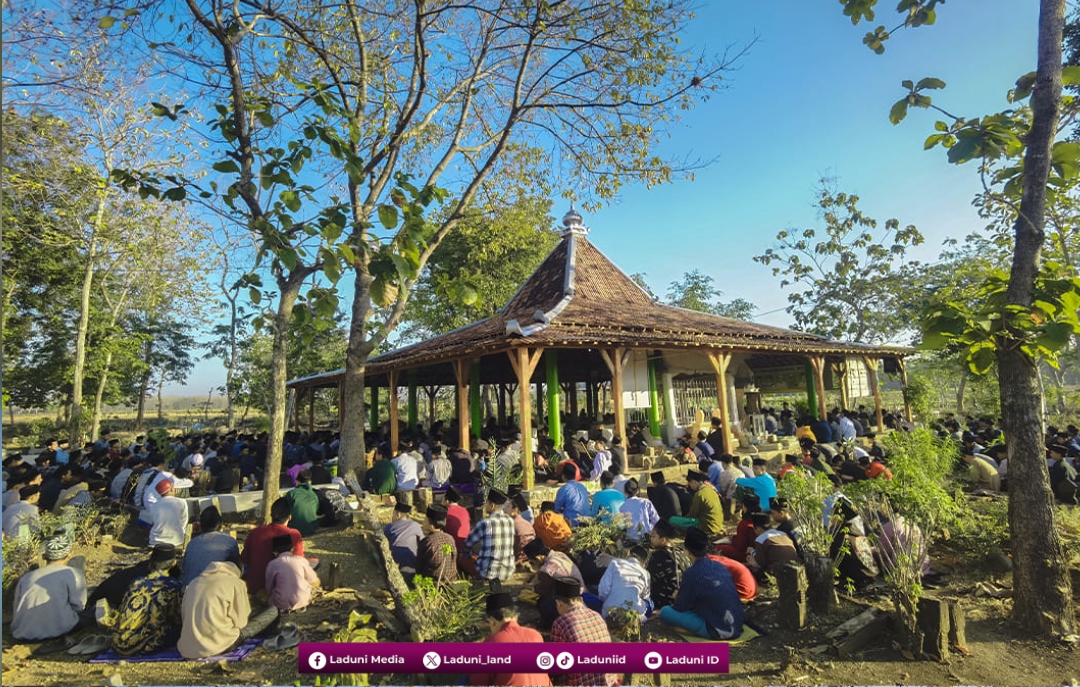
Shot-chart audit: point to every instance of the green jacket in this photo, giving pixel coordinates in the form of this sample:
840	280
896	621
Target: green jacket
707	509
380	478
305	509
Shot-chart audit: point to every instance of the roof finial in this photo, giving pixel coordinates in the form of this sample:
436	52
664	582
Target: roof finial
572	223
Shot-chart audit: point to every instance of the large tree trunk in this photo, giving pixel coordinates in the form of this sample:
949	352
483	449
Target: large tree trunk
351	454
1042	595
290	289
99	396
144	384
160	387
83	327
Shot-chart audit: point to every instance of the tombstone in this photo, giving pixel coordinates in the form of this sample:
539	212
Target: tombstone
792	585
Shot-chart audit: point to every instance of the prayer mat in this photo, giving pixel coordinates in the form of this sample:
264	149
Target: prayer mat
748	633
172	654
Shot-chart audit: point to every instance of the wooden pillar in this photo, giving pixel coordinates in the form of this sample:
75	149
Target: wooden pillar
311	411
524	363
394	430
461	372
720	361
476	408
615	359
903	382
841	375
413	410
811	391
511	411
554	405
374	419
500	397
570	390
871	376
818	365
341	405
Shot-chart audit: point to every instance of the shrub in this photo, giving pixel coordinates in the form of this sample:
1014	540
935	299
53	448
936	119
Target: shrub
449	612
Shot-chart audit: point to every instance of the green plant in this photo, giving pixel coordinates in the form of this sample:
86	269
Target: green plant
807	495
904	550
919	394
448	612
593	534
625	623
359	630
922	464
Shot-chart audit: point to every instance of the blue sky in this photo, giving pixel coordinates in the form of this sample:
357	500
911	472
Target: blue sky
809	100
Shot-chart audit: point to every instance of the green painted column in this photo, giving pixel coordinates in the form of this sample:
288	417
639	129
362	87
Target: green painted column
551	360
413	409
374	408
654	402
811	391
476	410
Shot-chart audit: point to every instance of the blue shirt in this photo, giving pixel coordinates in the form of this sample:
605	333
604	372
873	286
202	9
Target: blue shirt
207	548
610	500
572	501
822	431
708	590
404	535
62	457
763	485
715	470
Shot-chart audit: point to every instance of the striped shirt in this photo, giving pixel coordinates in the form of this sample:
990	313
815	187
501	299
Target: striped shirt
495	535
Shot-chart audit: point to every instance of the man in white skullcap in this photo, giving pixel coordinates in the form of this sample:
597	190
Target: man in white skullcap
48	600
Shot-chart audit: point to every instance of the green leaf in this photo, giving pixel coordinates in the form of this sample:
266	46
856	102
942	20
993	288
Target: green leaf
982	360
106	22
332	270
289	258
898	111
255	295
226	167
291	199
383	293
1070	75
388	216
929	83
908	84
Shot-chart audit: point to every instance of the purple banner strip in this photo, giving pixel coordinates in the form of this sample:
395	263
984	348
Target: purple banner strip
462	657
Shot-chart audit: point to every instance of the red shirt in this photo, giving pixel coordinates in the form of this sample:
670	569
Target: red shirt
744	537
457	524
788	467
512	633
259	551
745	583
876	469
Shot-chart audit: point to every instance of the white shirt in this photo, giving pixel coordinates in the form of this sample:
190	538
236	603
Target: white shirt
601	462
847	428
405	467
151	495
625	583
440	473
643	516
170	521
11	496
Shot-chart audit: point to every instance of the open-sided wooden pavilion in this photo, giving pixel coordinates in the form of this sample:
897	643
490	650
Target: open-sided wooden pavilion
589	323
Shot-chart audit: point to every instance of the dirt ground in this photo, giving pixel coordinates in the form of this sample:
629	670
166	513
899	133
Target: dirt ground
997	654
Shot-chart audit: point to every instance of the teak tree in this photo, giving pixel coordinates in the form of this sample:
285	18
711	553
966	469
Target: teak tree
446	92
1030	313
